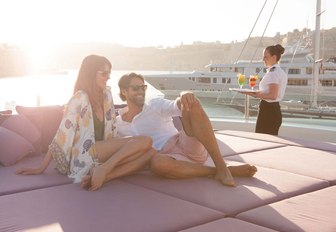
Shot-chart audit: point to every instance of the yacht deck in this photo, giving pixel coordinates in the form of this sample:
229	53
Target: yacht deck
293	190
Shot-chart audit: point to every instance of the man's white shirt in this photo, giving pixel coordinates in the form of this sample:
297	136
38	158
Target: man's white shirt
155	120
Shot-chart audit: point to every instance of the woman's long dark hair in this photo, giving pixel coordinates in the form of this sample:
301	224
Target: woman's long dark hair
86	79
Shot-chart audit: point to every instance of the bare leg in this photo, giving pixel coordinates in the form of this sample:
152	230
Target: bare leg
245	170
113	152
166	166
38	170
126	168
131	167
197	124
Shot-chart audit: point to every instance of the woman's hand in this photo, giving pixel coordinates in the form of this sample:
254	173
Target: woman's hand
30	171
35	171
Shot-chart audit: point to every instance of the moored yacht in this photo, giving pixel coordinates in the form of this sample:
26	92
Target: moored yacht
216	82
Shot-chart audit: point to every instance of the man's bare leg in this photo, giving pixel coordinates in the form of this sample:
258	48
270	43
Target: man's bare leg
113	152
197	124
168	167
129	167
132	167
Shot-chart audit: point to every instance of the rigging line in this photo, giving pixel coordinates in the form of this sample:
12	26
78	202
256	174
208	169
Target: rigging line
295	50
265	29
241	52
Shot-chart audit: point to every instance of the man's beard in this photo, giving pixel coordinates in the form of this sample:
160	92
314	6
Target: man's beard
137	101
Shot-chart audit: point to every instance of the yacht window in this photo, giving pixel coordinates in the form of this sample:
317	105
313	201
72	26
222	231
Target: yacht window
309	70
294	71
264	70
229	80
239	70
223	80
204	80
326	82
214	80
297	82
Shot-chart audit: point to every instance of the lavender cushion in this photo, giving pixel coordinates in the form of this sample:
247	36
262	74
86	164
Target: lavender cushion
118	206
6	112
300	160
22	126
309	212
228	225
267	186
3	117
327	146
46	119
231	145
13	147
12	183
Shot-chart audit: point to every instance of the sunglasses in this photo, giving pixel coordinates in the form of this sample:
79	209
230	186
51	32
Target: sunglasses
137	87
104	73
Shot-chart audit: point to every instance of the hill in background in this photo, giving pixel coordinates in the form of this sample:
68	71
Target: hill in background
17	61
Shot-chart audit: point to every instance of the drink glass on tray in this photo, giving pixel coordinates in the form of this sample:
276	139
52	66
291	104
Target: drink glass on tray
253	81
241	80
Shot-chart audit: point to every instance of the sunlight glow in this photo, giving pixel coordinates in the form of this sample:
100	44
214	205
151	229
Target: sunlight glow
38	53
152	22
54	227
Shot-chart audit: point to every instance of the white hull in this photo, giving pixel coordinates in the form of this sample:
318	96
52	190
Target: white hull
216	82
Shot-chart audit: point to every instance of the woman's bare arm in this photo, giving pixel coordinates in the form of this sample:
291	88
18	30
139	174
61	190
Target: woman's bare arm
38	170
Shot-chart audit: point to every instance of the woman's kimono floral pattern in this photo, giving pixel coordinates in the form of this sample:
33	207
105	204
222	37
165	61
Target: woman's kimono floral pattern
73	147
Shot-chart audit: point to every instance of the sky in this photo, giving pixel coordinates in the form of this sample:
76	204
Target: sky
142	23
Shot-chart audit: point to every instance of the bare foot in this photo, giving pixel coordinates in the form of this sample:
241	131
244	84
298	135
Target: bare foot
86	182
244	170
225	177
98	178
94	179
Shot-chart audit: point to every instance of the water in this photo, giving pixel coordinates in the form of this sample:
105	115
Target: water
51	89
56	89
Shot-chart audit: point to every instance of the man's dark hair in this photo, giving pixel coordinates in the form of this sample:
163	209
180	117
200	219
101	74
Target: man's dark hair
125	81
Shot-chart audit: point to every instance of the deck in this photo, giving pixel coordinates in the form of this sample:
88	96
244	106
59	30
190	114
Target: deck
293	190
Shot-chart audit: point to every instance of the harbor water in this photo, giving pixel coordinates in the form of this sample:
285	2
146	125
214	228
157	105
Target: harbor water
56	89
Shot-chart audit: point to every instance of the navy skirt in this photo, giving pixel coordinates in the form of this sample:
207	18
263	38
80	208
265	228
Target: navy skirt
269	118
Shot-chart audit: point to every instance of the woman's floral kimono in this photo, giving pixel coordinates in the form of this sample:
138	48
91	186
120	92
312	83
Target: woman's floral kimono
73	147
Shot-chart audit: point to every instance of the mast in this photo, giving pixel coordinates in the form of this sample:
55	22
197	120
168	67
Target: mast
316	53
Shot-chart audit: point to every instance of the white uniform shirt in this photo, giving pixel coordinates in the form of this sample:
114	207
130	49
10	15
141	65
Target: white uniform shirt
155	120
274	75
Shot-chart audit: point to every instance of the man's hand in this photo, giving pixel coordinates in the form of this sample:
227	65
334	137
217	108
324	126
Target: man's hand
187	99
